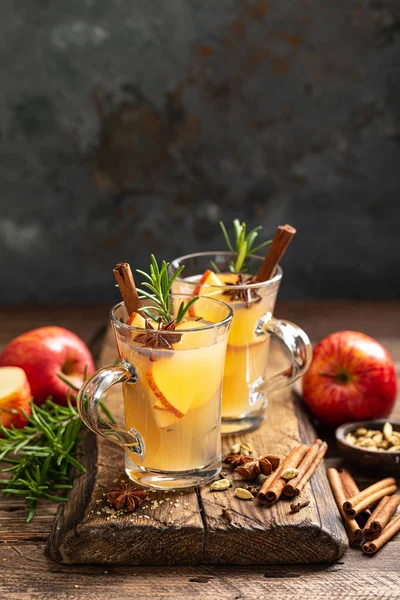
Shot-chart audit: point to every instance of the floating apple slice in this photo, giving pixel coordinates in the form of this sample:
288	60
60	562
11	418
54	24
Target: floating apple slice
136	320
208	278
15	393
191	340
187	379
163	416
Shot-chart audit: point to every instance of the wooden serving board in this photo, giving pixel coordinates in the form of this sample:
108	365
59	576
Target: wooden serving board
189	527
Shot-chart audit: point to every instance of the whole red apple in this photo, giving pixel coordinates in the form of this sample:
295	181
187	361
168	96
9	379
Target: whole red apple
45	353
351	378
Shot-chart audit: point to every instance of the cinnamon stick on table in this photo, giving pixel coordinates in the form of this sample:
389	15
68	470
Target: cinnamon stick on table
351	489
386	487
272	487
390	530
311	459
381	517
124	278
282	238
353	529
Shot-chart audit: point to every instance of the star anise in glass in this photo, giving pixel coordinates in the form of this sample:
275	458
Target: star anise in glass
126	497
244	294
153	338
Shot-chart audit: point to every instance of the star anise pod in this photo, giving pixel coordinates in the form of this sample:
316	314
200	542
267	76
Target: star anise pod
250	470
235	460
126	497
247	295
153	338
256	466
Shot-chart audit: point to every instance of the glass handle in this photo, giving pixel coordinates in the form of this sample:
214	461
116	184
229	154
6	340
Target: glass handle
88	400
299	346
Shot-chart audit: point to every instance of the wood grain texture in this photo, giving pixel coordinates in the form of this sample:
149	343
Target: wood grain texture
167	529
184	528
26	574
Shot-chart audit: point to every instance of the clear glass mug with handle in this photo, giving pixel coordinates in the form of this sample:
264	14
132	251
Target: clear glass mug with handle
245	385
172	396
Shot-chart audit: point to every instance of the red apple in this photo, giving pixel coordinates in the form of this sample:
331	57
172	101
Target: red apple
45	353
15	393
351	378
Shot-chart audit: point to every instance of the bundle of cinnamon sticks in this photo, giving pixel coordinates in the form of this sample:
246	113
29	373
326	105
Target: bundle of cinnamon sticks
370	530
304	460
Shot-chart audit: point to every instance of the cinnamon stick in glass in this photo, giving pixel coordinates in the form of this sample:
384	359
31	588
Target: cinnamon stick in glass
281	240
381	517
354	505
390	530
351	489
353	529
272	487
292	487
124	278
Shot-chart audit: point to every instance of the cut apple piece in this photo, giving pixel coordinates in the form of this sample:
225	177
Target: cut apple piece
159	394
194	340
187	379
136	320
208	278
163	416
15	393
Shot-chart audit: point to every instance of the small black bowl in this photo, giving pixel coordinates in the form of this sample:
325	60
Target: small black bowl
365	458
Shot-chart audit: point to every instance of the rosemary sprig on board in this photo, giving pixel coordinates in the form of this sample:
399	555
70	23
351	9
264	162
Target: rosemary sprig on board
41	454
158	286
243	246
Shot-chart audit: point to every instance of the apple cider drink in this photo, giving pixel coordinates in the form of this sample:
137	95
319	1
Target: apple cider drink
171	368
249	283
176	398
247	351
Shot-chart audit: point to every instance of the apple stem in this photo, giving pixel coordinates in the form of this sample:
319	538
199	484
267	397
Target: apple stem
339	376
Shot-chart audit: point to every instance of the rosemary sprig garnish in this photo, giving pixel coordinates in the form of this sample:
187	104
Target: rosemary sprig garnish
160	285
243	247
41	454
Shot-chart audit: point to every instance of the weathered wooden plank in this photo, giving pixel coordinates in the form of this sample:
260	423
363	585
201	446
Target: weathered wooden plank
174	529
27	574
168	528
259	534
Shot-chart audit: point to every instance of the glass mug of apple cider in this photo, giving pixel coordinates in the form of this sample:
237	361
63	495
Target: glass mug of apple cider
172	381
245	386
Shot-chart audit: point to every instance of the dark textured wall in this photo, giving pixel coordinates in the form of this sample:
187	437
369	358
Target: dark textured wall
130	126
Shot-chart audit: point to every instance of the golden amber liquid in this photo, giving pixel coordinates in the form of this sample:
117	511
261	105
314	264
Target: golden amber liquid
189	379
247	351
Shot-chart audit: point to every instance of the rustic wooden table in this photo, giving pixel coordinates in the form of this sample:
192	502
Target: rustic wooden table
26	573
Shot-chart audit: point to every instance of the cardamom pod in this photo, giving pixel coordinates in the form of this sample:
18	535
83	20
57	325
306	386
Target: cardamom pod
220	485
360	432
235	449
378	437
243	494
246	448
290	473
387	430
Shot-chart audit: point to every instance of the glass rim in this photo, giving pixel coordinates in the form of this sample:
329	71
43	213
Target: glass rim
224	321
277	277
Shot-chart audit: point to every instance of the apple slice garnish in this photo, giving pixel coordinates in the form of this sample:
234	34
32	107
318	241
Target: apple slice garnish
208	278
163	416
136	320
15	393
160	396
